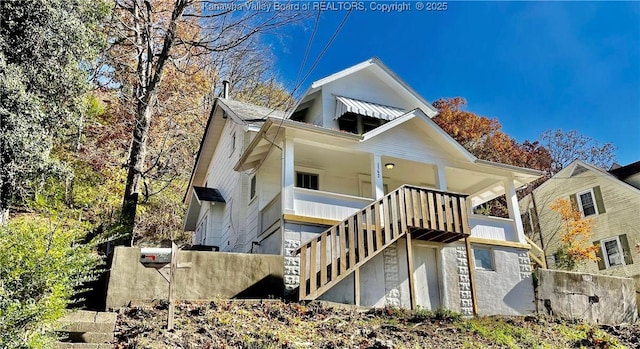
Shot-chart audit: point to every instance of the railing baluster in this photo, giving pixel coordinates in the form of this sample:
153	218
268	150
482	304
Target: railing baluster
424	207
415	198
432	211
408	206
343	248
440	216
352	242
361	236
368	212
386	210
323	259
464	217
377	213
334	252
447	210
394	212
313	278
456	214
403	211
303	272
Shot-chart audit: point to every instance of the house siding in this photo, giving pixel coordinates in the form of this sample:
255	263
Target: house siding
622	216
232	185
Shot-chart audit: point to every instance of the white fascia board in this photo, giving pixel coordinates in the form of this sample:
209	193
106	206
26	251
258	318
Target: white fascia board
345	72
521	170
427	120
375	62
193	210
564	174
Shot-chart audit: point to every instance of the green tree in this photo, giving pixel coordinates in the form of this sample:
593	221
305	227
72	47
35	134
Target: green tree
43	48
42	264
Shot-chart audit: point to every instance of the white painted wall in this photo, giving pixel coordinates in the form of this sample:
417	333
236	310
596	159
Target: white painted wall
363	85
232	185
507	290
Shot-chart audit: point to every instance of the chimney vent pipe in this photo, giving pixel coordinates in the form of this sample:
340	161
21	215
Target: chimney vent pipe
225	89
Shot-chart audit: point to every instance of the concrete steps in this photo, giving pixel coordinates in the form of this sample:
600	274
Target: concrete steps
87	330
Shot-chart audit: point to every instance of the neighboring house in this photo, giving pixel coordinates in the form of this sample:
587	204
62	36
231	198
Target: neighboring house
611	199
356	187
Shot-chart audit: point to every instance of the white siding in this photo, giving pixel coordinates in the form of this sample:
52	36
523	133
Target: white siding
363	85
231	185
405	142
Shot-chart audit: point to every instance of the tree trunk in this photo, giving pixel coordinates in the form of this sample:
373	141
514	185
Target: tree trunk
135	167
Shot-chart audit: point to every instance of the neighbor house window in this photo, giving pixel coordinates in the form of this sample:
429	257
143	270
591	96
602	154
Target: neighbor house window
252	188
614	251
586	203
483	258
307	180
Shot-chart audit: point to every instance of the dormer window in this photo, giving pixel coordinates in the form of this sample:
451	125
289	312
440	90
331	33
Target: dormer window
358	124
356	116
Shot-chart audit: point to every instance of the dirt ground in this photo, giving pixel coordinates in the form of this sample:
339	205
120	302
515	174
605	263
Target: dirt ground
275	324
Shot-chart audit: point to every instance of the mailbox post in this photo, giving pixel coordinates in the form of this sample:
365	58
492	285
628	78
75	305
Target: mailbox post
158	258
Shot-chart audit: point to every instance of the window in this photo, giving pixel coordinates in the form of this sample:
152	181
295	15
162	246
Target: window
586	203
252	188
483	258
307	180
358	124
612	252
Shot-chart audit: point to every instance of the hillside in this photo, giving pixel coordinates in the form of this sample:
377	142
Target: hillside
274	324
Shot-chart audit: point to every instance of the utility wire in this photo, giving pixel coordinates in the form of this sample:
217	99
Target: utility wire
300	82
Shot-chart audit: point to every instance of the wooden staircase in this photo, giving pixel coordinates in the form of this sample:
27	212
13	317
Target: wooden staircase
419	213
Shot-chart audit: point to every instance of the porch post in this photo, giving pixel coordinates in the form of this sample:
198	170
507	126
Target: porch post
514	209
377	185
441	180
288	176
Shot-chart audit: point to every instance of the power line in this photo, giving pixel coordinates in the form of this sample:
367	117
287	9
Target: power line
300	82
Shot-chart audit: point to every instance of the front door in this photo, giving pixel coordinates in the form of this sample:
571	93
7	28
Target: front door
425	264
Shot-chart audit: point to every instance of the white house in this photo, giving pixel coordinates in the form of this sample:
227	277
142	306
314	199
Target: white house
357	187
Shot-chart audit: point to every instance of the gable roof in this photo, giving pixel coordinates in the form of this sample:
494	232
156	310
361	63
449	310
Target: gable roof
568	172
248	112
239	112
382	71
623	172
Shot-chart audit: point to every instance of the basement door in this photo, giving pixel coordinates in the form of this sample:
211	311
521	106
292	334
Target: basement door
425	264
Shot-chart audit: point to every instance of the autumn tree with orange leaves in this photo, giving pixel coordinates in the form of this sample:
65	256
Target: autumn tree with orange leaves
575	234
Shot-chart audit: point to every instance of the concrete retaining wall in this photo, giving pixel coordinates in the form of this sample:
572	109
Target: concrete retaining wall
200	275
591	297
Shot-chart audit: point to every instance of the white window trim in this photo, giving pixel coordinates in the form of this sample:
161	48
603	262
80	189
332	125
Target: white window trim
492	254
605	256
593	197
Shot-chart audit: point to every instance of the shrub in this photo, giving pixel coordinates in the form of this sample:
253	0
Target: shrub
42	264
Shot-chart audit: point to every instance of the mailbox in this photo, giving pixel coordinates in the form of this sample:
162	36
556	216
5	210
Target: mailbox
155	255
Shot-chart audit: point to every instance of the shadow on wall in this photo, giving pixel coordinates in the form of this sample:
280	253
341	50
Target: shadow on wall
271	286
520	298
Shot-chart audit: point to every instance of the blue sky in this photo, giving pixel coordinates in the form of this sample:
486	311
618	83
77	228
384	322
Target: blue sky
532	65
